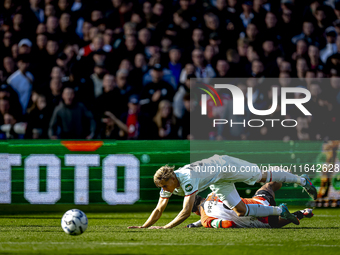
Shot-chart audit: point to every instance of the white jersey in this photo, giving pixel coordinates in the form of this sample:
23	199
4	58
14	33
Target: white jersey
198	176
216	209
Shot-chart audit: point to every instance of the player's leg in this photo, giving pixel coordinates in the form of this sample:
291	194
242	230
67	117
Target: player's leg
243	171
237	170
228	194
271	188
267	192
231	199
279	175
305	213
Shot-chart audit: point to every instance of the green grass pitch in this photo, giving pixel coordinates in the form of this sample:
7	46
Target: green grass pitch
41	233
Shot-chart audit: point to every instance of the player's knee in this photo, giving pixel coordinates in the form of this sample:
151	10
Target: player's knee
276	186
240	209
240	212
279	185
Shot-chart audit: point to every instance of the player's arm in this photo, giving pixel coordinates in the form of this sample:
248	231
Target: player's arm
185	213
219	223
211	222
156	213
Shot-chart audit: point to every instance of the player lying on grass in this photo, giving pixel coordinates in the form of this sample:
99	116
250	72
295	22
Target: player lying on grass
193	178
215	214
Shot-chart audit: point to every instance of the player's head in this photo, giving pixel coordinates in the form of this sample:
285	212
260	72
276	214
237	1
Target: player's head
165	178
198	201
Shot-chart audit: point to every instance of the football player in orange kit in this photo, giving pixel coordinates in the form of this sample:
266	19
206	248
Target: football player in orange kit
215	214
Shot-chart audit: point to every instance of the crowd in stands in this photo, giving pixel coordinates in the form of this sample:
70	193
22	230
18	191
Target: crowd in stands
121	69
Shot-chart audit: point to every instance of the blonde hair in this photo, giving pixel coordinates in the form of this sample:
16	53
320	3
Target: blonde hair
158	117
164	173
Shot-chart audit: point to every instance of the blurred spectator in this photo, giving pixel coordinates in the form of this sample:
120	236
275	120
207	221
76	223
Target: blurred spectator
331	46
97	44
202	69
166	121
144	36
139	70
21	81
156	91
174	64
24	46
333	61
222	68
301	49
10	128
6	44
8	68
178	105
36	14
139	124
166	75
103	102
38	119
314	58
154	47
307	33
54	97
113	127
247	15
97	79
301	68
71	119
52	24
122	92
10	101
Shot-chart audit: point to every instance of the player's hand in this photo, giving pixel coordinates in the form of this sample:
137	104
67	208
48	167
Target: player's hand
161	132
156	227
230	26
89	137
191	226
156	96
135	227
110	114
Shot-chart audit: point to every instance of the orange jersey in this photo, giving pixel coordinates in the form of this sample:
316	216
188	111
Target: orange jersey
213	209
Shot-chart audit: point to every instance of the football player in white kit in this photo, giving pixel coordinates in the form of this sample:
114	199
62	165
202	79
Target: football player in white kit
219	173
215	214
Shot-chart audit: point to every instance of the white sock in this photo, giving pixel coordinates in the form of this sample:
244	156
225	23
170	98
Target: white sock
258	210
198	223
301	181
269	176
283	176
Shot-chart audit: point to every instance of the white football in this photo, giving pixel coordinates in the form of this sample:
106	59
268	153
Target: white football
74	222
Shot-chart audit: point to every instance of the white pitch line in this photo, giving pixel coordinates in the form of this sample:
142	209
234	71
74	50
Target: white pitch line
152	244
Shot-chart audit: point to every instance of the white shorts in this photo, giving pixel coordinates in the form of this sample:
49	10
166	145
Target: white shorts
227	193
239	171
